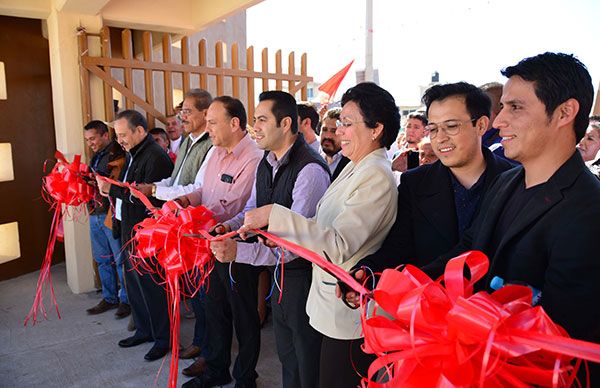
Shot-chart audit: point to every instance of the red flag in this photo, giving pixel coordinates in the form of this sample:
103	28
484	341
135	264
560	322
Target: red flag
332	84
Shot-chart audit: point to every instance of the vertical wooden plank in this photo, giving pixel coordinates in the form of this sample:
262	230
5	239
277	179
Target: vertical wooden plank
148	76
278	70
127	50
109	111
235	64
250	82
84	78
303	72
265	69
291	73
185	60
202	62
168	80
219	65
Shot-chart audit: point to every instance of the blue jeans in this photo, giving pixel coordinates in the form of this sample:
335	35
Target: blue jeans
107	253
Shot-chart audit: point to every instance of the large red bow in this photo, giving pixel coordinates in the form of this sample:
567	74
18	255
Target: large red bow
169	239
65	185
429	335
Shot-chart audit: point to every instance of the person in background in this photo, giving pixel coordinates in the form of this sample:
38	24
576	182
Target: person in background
174	129
426	153
331	148
160	136
308	121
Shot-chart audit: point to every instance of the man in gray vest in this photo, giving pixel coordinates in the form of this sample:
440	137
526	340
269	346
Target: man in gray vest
194	149
293	175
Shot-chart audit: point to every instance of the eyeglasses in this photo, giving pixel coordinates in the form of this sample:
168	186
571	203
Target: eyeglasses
346	124
186	112
450	127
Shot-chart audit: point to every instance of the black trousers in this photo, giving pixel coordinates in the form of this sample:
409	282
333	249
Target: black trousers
148	302
229	305
343	363
298	343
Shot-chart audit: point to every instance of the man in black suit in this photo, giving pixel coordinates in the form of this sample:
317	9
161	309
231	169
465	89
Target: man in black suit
331	144
540	223
437	202
146	162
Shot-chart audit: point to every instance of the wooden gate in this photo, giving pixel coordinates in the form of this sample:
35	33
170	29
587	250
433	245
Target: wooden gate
102	67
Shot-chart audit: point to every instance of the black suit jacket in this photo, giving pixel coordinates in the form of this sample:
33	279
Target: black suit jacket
342	163
426	224
552	245
150	164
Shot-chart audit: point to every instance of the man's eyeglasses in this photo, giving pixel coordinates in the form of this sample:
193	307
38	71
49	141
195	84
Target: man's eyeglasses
450	127
186	111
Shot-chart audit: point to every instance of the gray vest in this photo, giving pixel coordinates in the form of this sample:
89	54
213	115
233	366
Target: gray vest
194	160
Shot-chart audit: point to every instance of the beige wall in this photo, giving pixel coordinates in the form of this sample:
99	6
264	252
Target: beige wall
63	18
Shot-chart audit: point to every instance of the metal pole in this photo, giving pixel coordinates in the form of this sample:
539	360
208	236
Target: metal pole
369	42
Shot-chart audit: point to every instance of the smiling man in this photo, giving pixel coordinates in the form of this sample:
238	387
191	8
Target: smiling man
437	202
195	149
146	162
539	224
331	144
291	174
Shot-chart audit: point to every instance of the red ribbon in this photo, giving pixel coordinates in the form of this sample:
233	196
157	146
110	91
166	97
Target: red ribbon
64	185
424	334
169	239
429	335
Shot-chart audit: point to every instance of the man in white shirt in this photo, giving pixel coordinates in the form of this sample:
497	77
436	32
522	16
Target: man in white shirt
175	131
195	149
308	120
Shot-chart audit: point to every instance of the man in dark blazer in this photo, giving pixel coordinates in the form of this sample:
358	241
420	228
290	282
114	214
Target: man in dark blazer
331	148
437	202
146	162
540	223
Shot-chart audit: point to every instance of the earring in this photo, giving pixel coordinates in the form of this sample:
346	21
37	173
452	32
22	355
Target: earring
373	138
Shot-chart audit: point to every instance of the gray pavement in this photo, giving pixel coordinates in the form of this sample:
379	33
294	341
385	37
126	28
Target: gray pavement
81	350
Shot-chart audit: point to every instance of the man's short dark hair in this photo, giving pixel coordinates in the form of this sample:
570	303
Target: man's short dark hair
333	113
477	102
307	110
418	116
202	98
234	108
134	119
98	125
377	106
161	132
284	105
558	77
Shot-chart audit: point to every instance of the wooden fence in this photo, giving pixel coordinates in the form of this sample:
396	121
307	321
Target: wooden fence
102	67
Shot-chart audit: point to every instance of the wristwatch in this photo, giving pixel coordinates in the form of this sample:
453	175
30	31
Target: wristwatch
153	193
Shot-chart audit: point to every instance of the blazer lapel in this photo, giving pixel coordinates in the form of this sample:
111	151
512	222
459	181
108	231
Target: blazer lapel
435	199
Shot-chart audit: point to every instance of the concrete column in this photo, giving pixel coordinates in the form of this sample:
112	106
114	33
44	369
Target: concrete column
66	95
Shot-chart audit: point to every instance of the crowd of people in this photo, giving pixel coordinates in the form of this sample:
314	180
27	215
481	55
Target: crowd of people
505	169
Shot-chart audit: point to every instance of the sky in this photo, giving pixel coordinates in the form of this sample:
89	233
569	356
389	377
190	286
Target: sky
464	40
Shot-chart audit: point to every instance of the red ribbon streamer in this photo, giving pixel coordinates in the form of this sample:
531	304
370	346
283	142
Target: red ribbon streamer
64	185
169	239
